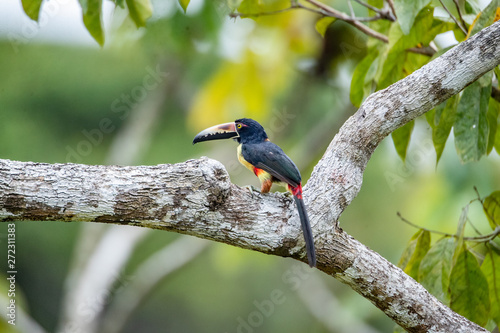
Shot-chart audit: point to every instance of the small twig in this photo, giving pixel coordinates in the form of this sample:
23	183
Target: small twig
495	245
419	227
478	255
325	11
478	195
483	238
369	19
329	11
457	5
350	8
375	9
381	13
393	9
453	18
474	227
279	11
428	50
485	211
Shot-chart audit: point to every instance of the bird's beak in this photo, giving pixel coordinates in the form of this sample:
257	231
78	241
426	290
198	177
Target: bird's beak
222	131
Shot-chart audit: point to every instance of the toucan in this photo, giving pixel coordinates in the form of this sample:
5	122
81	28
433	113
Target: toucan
268	162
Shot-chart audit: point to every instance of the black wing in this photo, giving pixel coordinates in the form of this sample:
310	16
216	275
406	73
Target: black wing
271	158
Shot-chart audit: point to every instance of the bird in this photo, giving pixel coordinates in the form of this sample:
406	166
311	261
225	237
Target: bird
268	162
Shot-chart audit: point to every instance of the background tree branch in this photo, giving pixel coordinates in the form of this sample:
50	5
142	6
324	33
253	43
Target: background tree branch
197	198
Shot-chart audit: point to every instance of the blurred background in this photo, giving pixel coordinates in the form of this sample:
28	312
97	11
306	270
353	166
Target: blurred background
140	100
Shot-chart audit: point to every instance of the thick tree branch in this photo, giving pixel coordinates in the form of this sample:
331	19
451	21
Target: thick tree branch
197	198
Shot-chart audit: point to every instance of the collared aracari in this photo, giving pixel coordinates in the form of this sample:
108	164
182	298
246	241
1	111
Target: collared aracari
268	162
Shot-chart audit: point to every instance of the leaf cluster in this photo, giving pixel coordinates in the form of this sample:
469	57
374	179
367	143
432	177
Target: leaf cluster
462	272
473	114
139	12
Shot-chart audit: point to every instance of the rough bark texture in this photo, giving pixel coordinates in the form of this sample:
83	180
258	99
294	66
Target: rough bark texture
197	198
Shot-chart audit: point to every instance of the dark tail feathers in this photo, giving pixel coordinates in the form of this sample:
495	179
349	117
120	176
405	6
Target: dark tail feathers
306	230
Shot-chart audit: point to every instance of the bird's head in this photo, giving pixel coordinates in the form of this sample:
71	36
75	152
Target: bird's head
244	130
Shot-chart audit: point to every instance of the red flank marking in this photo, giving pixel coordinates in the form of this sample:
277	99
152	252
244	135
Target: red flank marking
258	171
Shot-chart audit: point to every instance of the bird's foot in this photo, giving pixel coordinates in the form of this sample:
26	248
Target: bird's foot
251	189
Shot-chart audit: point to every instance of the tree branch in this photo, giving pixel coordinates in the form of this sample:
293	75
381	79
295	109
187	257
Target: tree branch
384	13
331	12
339	172
197	198
478	239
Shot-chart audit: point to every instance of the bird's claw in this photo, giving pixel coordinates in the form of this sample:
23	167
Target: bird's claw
251	189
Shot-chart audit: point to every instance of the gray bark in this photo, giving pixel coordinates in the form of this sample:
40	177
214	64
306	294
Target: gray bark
197	198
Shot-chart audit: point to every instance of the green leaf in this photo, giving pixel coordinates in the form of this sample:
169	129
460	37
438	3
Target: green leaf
360	88
92	19
421	249
401	138
252	8
497	73
410	248
491	270
413	62
140	11
459	34
392	68
470	6
497	142
184	4
492	117
381	26
423	32
32	8
429	115
407	11
323	23
414	253
461	231
398	329
491	208
471	124
485	18
376	3
120	3
435	268
441	124
469	291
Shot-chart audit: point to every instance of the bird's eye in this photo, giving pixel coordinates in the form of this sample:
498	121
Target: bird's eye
239	126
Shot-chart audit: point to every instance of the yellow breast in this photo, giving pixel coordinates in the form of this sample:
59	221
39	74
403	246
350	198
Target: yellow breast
243	161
